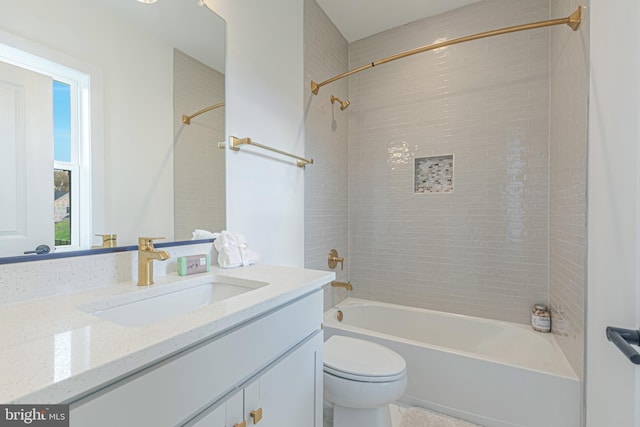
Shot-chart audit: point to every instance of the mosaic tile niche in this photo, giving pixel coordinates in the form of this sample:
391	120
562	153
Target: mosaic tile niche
434	174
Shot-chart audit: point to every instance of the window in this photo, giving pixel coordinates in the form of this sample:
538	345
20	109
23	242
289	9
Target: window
65	165
71	173
62	207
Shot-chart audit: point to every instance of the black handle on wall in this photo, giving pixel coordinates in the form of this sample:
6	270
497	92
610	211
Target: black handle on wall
622	338
41	249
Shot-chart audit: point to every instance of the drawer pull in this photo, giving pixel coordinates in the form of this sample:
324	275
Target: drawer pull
241	424
256	415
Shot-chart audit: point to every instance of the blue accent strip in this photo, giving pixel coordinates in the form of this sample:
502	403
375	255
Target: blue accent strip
99	251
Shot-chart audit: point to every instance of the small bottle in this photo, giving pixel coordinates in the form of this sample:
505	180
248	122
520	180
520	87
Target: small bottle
541	318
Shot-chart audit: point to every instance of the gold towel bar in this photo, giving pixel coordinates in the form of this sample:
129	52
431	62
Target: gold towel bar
235	143
187	119
572	21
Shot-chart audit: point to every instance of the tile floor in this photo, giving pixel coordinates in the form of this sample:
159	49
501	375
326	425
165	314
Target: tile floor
401	416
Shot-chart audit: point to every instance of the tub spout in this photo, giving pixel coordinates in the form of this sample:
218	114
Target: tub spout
346	285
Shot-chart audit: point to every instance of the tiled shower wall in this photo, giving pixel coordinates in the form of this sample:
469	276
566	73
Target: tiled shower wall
482	248
512	231
327	142
567	147
199	175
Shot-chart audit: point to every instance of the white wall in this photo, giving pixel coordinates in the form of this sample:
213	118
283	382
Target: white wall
265	191
612	253
134	79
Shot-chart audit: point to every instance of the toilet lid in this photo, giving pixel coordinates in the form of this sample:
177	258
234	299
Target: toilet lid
361	360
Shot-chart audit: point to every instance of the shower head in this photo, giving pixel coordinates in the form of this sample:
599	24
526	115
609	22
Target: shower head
343	104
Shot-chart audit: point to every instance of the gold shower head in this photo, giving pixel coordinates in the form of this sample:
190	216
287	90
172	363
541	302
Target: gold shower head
343	104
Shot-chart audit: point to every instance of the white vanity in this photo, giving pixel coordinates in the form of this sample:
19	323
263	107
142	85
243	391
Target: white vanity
254	357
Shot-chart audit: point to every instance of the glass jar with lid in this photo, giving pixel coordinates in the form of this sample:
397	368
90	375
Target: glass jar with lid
541	318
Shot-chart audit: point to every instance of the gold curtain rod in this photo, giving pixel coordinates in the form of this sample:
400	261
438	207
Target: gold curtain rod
187	119
235	143
572	21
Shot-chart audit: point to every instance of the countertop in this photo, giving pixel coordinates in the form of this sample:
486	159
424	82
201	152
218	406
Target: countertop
54	352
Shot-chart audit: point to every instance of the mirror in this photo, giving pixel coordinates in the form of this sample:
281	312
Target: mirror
145	66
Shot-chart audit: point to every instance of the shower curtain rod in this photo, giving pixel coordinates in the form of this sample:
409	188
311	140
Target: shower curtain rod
187	119
572	21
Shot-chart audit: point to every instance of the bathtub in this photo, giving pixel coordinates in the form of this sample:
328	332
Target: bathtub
492	373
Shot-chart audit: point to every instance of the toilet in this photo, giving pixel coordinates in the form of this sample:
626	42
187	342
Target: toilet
361	378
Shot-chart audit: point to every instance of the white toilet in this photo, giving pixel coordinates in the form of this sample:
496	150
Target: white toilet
361	378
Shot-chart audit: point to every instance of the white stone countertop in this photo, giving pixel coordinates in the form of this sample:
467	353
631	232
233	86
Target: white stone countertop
53	352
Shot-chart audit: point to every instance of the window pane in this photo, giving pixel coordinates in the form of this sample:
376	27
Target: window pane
62	206
61	122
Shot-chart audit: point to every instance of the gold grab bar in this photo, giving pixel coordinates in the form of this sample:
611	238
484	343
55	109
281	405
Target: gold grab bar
572	21
187	119
235	143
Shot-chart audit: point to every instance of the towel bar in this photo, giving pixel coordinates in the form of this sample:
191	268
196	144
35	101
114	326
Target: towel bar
235	143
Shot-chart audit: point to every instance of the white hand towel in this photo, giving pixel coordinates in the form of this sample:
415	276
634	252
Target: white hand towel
233	250
203	234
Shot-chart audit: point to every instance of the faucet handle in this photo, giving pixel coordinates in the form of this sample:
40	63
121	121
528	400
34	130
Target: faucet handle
334	259
146	243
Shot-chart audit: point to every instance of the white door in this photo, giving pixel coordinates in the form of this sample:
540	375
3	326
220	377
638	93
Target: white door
26	160
613	266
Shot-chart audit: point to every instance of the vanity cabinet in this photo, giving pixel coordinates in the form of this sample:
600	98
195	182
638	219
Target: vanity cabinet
272	362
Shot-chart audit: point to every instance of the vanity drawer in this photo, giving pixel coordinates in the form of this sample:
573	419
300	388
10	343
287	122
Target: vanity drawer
174	390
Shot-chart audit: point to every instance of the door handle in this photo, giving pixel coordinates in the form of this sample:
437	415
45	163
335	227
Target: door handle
622	338
40	250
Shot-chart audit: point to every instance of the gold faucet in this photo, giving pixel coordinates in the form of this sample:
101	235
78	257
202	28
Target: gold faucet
346	285
108	241
146	255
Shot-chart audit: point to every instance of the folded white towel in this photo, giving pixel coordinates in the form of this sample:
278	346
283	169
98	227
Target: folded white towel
233	250
203	234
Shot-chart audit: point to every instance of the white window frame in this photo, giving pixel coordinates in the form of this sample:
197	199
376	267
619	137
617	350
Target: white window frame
80	164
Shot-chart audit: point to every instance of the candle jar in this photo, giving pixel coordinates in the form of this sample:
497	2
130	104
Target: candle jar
541	318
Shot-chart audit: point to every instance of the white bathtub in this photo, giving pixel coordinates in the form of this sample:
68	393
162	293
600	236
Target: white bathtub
493	373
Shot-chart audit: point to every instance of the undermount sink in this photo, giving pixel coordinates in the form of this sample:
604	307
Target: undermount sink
152	309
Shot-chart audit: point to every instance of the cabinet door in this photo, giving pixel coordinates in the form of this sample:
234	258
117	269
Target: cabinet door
290	393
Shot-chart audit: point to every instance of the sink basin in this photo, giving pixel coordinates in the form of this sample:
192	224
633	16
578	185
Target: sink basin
148	310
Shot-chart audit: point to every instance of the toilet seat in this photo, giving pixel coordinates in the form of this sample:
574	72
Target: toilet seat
363	361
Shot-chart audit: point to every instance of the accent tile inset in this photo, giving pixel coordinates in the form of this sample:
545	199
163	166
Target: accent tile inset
434	174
